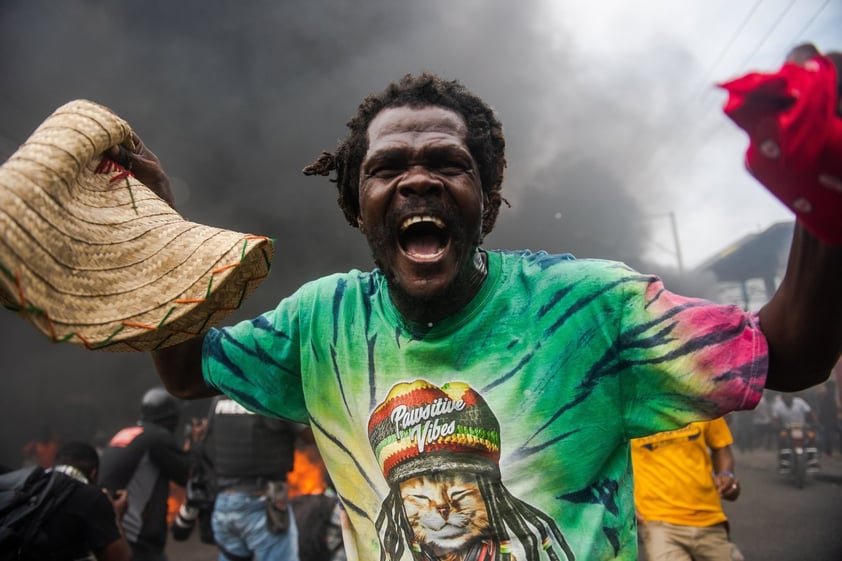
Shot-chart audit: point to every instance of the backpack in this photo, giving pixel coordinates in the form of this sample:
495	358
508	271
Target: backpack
313	517
29	496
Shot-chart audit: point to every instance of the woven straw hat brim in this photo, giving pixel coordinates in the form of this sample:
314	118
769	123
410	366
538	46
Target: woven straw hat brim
92	256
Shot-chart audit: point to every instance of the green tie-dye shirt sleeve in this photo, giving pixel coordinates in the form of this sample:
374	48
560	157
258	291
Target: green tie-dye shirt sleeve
257	362
686	358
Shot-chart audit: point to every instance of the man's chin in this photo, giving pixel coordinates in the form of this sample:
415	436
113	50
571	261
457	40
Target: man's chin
426	289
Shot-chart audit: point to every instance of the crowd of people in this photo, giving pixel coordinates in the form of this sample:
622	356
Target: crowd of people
233	464
120	507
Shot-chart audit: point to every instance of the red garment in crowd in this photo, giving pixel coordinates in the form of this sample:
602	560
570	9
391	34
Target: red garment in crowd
796	139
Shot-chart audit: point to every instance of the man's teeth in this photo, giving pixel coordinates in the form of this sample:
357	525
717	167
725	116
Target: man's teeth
416	219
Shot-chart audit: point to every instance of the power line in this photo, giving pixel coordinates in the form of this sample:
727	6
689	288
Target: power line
768	33
697	126
780	18
703	87
707	74
647	175
809	23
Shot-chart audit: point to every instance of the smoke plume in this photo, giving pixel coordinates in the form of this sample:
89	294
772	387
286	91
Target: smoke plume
235	98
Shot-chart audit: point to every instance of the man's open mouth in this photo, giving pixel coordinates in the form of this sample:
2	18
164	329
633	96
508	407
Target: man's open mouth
423	237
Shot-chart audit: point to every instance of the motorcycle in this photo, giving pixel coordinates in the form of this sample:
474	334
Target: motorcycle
798	455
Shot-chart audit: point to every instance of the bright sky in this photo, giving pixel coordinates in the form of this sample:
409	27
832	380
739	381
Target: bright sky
713	199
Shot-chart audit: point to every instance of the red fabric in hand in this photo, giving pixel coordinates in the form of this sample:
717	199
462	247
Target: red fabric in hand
795	135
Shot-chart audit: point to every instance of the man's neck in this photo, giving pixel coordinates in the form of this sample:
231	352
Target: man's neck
429	312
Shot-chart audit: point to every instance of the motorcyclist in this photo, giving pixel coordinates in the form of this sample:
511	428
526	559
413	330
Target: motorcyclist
788	411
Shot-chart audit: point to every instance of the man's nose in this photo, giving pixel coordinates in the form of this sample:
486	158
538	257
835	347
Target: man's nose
419	180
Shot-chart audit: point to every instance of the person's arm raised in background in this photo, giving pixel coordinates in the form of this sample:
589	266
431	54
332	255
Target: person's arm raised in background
179	366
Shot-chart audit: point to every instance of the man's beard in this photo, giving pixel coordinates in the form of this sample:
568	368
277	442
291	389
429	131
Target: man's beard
379	244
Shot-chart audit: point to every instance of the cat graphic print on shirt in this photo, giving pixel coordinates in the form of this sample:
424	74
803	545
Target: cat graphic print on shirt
439	450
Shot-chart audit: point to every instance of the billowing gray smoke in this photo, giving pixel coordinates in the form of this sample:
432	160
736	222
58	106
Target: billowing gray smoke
238	97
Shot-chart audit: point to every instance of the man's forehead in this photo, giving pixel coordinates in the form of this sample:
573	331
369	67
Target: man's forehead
429	118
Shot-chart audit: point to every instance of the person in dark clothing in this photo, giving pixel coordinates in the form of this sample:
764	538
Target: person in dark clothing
87	521
143	459
251	455
828	417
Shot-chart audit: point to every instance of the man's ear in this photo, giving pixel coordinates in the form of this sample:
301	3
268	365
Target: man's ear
360	223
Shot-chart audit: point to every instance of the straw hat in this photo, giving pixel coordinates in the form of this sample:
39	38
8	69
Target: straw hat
92	256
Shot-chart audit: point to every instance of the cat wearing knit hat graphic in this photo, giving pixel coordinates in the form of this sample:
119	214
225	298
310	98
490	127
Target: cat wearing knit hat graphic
439	450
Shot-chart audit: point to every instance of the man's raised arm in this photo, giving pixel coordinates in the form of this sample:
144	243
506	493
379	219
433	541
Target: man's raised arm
180	369
803	320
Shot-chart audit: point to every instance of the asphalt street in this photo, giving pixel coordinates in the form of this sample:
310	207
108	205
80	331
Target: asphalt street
774	521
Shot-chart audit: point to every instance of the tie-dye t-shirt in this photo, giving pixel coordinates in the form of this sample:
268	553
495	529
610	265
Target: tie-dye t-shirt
501	432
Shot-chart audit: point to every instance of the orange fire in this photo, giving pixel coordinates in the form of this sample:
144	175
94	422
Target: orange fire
177	496
308	474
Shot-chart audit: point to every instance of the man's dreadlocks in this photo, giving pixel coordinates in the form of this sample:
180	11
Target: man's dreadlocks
484	139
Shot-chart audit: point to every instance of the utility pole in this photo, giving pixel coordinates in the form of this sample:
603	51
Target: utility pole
674	232
678	257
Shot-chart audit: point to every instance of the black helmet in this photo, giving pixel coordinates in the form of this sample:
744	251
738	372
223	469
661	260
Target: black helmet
157	404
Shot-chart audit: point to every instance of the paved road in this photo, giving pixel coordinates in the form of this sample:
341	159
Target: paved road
771	521
774	521
191	550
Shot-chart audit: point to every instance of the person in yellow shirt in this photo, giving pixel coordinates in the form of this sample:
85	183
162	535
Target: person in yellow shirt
680	477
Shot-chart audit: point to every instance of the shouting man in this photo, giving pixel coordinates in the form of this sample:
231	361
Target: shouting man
473	404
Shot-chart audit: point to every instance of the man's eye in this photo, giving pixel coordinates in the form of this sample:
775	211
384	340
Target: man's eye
384	172
453	169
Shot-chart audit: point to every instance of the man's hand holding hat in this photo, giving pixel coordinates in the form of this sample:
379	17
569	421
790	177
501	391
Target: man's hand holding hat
144	165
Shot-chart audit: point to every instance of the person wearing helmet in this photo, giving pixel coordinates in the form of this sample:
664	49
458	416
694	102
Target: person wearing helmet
143	459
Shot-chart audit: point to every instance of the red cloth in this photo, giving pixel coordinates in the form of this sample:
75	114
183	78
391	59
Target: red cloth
795	137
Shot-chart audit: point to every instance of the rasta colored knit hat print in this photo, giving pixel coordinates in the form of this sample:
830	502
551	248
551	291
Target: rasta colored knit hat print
421	428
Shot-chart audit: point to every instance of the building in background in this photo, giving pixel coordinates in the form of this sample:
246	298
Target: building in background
749	270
